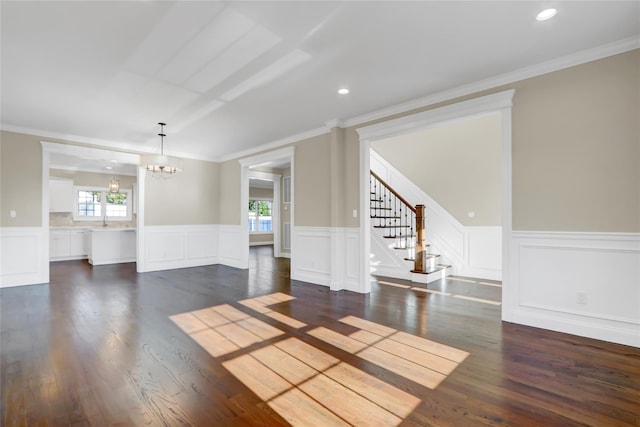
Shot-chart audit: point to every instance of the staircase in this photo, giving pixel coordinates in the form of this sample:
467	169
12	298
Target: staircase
402	225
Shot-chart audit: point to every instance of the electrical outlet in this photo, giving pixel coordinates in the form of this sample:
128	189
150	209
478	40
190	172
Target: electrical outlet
581	297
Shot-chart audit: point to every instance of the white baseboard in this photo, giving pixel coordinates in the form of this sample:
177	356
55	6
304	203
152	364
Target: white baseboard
24	257
549	269
327	256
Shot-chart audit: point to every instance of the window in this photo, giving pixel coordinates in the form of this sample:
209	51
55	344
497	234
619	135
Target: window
89	203
286	189
260	219
93	204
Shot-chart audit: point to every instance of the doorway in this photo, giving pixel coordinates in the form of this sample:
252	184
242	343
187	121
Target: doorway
266	202
500	103
87	189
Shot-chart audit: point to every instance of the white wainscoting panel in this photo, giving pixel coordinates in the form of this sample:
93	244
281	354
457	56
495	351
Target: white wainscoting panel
231	244
327	256
348	260
180	246
483	253
550	270
24	257
311	261
471	251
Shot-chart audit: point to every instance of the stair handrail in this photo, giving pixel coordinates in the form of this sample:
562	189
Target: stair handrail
418	219
394	192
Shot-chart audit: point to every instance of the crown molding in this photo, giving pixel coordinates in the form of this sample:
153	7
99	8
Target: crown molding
557	64
276	144
70	138
334	123
102	144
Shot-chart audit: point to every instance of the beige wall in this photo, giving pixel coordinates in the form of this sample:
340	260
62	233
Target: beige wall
576	148
261	193
457	164
576	162
188	198
229	200
20	180
312	195
351	186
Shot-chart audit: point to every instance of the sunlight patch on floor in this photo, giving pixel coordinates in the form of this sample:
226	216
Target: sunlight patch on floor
432	291
484	301
307	386
423	361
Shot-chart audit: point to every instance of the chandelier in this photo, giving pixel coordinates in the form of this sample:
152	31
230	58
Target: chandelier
114	182
114	185
159	165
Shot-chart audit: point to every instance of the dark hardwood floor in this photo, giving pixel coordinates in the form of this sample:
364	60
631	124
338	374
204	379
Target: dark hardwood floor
97	347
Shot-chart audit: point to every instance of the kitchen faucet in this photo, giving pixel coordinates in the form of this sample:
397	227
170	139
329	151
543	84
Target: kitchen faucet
104	221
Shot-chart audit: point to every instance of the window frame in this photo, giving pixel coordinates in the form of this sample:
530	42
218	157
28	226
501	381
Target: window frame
257	200
103	203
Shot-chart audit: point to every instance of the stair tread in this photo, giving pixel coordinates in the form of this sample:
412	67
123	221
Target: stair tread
428	256
386	217
392	226
400	236
437	268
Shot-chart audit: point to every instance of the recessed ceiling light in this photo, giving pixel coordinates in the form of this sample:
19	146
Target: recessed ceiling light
343	91
546	14
108	167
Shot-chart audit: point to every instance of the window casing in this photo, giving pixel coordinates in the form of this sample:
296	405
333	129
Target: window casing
94	203
260	216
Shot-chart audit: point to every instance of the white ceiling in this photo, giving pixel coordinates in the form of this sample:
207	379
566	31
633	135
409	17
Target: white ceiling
230	76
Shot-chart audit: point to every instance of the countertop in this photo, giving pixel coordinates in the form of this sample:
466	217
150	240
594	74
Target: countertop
92	228
109	229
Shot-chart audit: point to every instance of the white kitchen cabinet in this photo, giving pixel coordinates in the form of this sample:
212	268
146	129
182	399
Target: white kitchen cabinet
58	244
67	244
112	245
60	195
78	243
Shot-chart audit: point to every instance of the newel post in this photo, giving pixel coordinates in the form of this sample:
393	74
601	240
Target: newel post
419	257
